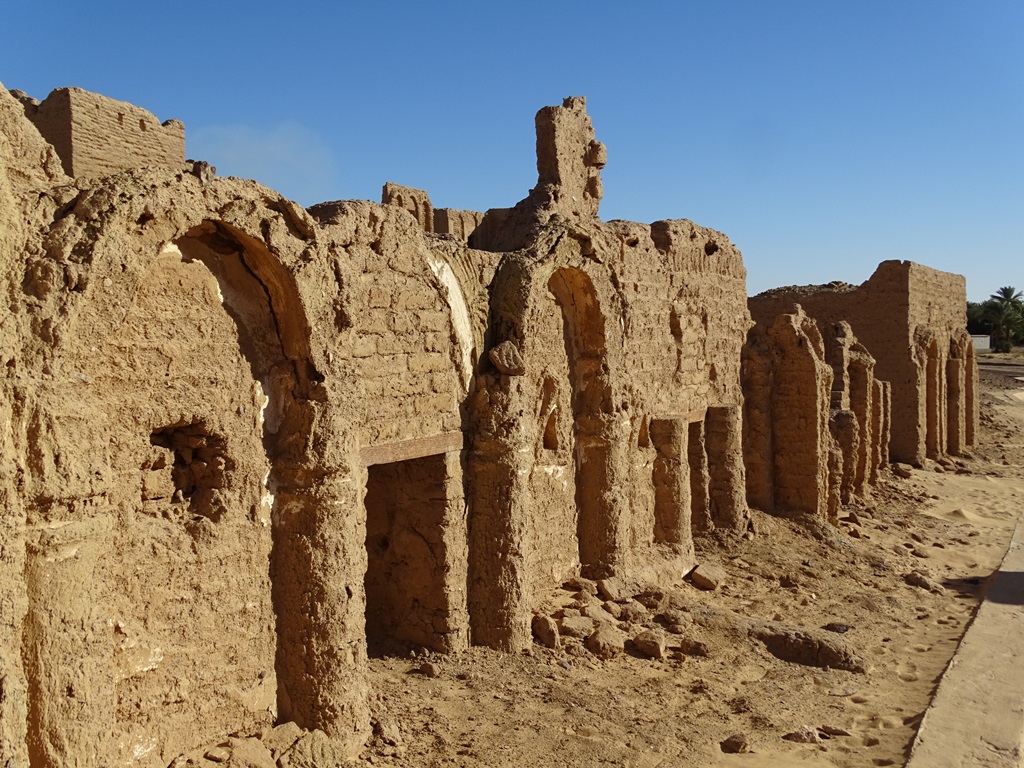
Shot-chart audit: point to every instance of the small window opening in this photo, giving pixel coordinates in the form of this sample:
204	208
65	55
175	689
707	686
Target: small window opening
188	469
551	431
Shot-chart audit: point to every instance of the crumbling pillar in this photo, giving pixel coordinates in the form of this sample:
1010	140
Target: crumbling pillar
569	158
671	475
879	445
497	586
318	567
956	396
971	397
885	434
602	450
800	412
844	428
757	377
726	484
862	368
13	598
70	666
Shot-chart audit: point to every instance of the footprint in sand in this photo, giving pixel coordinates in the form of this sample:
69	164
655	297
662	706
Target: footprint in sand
908	672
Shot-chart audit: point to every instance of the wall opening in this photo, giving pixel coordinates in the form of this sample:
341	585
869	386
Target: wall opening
583	327
273	335
723	442
188	468
551	431
861	383
956	396
405	598
697	458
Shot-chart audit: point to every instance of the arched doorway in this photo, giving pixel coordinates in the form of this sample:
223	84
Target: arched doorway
584	336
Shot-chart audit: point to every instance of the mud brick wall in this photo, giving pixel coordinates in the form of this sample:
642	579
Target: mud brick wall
414	201
458	224
905	314
608	419
787	387
247	444
402	341
96	136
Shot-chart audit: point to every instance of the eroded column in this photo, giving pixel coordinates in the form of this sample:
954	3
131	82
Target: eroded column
726	485
68	638
956	426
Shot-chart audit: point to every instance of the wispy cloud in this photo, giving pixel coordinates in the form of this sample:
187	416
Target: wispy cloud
287	157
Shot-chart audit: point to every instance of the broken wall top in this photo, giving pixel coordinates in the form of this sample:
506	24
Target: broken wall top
570	159
897	298
96	136
28	159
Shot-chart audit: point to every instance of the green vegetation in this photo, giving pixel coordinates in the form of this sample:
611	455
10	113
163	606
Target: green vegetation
1002	316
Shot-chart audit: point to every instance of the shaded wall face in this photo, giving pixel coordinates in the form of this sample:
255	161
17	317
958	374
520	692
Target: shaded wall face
405	589
182	580
551	482
758	435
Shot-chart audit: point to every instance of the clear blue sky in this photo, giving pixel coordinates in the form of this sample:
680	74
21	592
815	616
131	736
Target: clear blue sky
822	137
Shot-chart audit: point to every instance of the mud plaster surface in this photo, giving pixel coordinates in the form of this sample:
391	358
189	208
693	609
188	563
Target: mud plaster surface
564	707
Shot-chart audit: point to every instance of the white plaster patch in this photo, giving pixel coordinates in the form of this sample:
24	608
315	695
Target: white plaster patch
139	751
266	503
456	301
64	553
284	510
156	655
262	401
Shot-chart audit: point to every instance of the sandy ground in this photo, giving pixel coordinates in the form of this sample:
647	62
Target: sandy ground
566	707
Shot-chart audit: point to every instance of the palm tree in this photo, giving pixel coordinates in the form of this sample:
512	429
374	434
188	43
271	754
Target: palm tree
1009	295
976	322
1005	311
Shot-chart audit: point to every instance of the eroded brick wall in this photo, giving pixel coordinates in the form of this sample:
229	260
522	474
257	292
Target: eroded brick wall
96	136
904	315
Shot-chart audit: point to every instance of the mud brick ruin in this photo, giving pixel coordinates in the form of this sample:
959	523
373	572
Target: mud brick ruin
912	319
246	443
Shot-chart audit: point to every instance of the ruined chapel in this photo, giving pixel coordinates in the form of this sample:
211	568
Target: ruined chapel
246	443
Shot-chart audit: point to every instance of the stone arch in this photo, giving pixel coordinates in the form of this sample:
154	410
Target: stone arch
523	539
583	326
237	460
273	335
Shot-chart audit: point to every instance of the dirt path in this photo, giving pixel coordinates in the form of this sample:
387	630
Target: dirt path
566	707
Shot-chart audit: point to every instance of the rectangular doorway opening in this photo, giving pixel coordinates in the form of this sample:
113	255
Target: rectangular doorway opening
406	606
